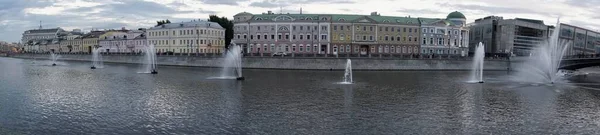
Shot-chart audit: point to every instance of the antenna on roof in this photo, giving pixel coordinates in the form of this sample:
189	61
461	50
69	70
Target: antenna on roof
40	24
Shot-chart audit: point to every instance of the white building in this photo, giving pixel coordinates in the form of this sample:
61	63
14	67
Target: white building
448	36
122	41
39	39
188	37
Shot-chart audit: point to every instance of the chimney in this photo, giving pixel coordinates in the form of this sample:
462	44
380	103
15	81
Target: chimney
300	10
269	12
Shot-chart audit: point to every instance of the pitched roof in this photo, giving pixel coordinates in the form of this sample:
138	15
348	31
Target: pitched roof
202	24
53	30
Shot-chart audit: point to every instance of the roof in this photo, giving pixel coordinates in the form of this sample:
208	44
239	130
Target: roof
456	15
141	36
530	20
203	24
242	14
93	34
337	18
53	30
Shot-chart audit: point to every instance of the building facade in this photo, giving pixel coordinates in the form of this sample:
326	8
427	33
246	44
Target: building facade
41	40
335	34
90	40
187	37
448	36
500	36
122	41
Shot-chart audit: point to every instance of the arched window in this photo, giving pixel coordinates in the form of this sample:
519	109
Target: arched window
283	28
341	19
386	21
342	48
403	49
347	48
392	49
324	18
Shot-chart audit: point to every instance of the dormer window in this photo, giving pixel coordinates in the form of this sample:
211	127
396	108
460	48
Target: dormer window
386	21
259	18
341	19
324	18
308	18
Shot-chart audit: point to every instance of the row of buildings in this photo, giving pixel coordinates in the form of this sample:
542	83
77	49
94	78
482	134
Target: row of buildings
325	34
351	34
184	37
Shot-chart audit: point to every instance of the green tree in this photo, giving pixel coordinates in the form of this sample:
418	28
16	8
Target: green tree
225	23
161	22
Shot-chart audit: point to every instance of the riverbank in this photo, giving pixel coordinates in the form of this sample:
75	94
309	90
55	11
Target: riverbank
374	64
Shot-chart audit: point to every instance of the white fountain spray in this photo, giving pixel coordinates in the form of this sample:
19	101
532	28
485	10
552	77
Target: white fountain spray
150	61
54	58
542	66
478	59
97	59
232	64
348	72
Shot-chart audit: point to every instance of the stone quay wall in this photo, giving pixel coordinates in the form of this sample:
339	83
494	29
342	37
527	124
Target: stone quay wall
292	63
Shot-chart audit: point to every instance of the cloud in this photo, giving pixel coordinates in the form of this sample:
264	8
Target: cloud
420	11
264	4
222	2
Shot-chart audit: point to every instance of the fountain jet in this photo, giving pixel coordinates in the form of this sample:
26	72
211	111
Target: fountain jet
232	65
97	59
150	61
543	63
478	59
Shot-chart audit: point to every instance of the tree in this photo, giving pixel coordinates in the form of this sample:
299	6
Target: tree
225	23
161	22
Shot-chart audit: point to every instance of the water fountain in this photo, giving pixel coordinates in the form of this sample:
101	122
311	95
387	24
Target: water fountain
542	66
54	58
348	72
477	70
97	59
150	61
232	64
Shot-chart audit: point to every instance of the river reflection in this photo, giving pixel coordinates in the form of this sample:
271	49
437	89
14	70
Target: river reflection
73	99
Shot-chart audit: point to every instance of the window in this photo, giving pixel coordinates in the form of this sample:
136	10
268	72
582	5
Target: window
347	48
356	49
416	39
364	38
301	48
342	36
424	41
386	29
293	27
334	27
341	27
386	38
307	48
398	38
371	38
287	36
301	36
294	37
409	30
391	38
403	38
272	48
365	28
341	48
307	36
244	36
251	36
409	38
301	27
431	41
323	37
279	36
404	30
257	36
266	36
431	30
380	50
440	41
272	36
293	48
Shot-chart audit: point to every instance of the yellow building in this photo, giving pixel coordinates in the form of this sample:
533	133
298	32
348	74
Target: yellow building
90	40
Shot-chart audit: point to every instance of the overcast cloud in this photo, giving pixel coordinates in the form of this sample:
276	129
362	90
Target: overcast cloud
17	16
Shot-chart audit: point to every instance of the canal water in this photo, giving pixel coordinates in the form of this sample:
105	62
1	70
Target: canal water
36	98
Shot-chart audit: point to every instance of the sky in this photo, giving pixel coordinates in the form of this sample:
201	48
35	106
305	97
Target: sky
17	16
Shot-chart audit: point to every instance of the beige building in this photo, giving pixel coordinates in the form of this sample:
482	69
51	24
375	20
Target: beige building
188	37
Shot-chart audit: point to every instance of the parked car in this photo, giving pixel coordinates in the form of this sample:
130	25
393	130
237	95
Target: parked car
279	54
